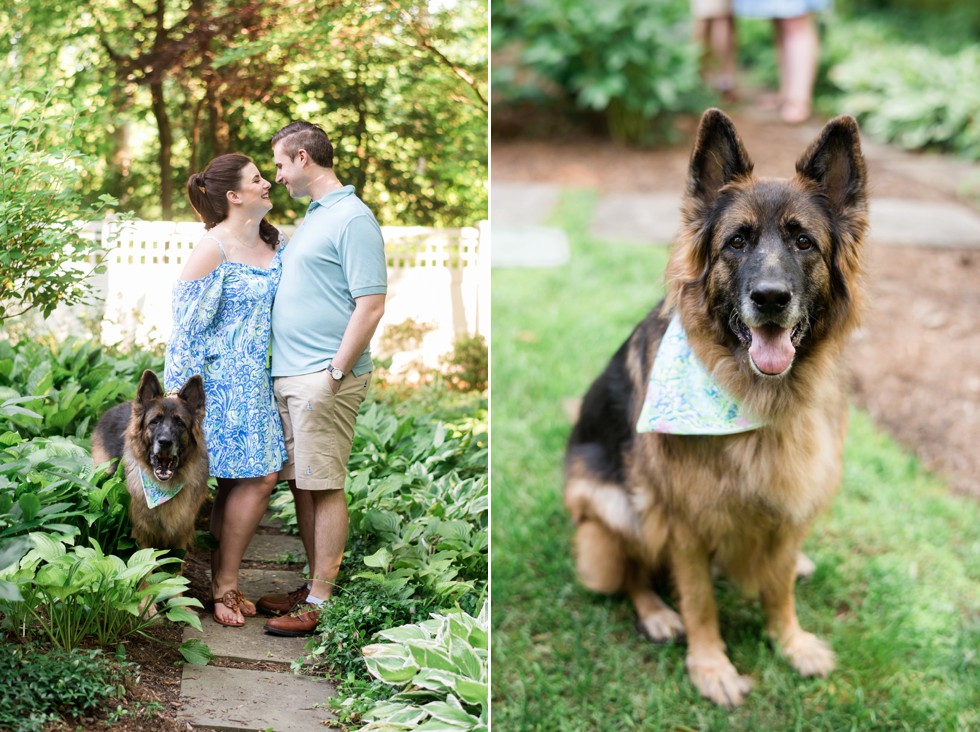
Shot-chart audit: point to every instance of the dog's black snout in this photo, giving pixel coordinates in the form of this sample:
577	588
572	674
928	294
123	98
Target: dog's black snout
770	296
164	443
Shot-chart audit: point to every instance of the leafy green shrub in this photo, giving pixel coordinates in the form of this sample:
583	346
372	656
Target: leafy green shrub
908	94
418	504
49	484
631	60
72	595
44	260
467	368
38	686
355	614
440	666
74	381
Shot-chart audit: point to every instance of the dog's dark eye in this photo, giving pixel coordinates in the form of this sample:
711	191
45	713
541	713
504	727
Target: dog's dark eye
803	242
737	241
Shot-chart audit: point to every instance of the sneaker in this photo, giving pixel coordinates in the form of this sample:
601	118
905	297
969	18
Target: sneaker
301	621
282	604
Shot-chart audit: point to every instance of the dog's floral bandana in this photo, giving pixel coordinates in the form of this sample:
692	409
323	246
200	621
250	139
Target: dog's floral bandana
684	399
156	494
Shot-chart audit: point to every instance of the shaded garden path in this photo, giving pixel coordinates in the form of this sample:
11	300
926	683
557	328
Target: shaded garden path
250	685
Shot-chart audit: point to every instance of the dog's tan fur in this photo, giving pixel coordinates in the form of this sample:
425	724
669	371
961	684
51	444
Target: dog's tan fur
125	433
742	503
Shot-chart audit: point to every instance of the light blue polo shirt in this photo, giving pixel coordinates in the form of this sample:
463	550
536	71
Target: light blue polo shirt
336	255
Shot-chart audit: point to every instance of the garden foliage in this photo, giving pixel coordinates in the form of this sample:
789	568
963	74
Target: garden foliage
44	261
440	667
418	505
633	61
910	94
69	571
40	686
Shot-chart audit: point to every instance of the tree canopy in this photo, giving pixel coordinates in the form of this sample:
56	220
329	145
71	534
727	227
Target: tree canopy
159	87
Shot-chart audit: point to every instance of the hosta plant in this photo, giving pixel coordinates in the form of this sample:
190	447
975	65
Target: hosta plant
70	595
441	667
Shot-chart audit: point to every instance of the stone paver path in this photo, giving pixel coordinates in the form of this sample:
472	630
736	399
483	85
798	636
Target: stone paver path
222	698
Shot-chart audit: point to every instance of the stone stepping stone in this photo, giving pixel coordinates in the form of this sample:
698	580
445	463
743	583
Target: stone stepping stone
239	699
644	218
275	548
251	642
532	247
922	223
517	205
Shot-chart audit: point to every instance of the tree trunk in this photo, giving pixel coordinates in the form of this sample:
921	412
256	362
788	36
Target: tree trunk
360	133
166	147
159	104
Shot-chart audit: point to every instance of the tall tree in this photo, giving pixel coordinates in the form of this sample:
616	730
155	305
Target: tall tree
171	46
400	85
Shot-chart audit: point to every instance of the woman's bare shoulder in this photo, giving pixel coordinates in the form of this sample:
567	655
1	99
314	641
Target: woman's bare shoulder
206	257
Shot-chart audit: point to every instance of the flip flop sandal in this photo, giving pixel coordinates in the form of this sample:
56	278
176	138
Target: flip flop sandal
247	608
232	599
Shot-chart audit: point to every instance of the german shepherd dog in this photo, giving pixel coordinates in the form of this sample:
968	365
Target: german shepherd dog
160	441
766	281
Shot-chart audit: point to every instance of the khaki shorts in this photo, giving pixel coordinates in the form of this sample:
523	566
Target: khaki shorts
318	426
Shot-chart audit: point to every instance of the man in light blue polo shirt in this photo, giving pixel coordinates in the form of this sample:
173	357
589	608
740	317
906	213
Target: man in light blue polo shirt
329	303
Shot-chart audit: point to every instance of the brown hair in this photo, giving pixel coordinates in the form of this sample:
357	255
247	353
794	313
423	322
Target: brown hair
298	136
207	190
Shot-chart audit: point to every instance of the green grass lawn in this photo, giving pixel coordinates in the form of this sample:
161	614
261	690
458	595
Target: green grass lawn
896	592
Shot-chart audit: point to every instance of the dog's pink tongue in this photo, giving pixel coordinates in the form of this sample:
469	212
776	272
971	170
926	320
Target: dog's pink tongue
772	349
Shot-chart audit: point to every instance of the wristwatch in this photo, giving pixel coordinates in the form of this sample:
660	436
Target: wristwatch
334	372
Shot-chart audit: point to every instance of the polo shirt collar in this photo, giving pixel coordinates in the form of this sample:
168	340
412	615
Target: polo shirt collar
331	198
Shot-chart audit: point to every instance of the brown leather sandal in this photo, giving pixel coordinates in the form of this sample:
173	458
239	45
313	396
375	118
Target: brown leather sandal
233	600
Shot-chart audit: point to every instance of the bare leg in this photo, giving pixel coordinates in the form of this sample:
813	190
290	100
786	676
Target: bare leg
330	539
799	52
722	39
237	511
775	101
304	519
717	39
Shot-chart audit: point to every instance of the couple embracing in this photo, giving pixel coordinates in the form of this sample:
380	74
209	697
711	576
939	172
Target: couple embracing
317	300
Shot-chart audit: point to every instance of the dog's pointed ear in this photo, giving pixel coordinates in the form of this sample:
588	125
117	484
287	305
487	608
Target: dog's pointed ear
718	158
192	392
834	161
149	388
835	164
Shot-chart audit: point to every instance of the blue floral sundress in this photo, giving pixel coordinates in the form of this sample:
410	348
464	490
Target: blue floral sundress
221	330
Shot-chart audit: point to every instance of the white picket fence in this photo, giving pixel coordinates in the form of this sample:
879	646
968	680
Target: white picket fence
438	278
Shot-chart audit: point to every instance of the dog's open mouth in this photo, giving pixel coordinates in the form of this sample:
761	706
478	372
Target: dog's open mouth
164	466
772	348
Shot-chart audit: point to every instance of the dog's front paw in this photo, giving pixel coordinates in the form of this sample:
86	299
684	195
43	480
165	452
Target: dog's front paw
716	678
805	567
808	654
661	626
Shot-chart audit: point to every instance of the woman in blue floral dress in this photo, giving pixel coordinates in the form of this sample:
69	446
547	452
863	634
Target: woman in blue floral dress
221	330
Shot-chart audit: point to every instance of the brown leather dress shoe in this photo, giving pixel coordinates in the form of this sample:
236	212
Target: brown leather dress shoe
301	621
282	603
